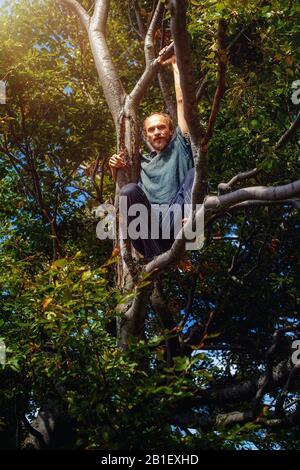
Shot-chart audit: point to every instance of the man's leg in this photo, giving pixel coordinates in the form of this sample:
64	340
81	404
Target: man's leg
145	245
184	193
182	197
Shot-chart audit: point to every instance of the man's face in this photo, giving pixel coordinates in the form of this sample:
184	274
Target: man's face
158	132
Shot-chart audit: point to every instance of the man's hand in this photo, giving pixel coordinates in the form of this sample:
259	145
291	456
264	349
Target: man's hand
115	162
170	61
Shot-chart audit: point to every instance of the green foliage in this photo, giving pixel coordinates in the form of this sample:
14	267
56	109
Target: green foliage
57	316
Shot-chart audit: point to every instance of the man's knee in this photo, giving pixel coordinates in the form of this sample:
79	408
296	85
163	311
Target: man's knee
129	189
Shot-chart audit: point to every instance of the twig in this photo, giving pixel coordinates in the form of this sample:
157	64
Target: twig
224	187
289	133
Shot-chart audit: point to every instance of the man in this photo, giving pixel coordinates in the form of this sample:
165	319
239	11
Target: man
166	175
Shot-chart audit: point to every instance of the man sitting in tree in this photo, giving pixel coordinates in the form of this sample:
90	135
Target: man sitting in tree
166	176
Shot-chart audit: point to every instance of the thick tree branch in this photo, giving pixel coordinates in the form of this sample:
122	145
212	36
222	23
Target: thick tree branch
184	62
258	193
133	321
96	27
258	203
78	9
216	204
187	82
207	422
112	87
34	432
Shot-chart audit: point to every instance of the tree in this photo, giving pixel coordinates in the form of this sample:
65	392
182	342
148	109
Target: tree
217	287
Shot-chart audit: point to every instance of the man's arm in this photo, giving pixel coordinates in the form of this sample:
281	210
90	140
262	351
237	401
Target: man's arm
179	98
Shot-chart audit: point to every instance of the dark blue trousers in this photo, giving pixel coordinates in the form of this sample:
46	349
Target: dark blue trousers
147	246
